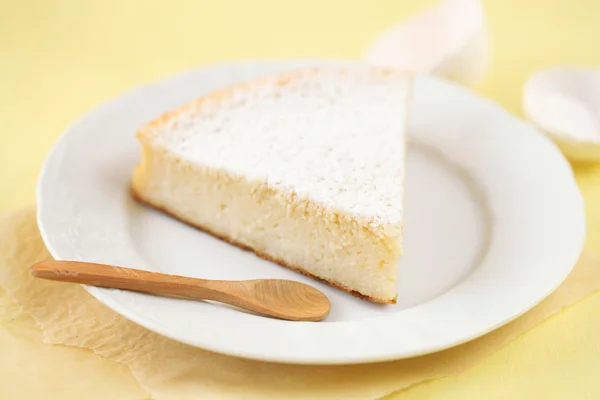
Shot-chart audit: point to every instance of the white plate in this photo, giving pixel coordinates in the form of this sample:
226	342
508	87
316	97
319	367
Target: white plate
494	223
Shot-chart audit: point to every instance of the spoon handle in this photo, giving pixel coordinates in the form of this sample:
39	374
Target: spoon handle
130	279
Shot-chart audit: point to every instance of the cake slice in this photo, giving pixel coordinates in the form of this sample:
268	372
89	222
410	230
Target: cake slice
305	168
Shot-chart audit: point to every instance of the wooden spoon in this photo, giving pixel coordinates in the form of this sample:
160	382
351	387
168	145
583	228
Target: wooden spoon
274	297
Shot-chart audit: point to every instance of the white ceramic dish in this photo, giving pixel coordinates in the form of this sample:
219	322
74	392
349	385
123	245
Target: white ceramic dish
458	49
494	223
564	102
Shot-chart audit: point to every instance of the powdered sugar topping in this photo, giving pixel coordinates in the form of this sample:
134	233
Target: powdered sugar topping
331	136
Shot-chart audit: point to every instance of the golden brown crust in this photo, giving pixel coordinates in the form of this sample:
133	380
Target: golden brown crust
242	246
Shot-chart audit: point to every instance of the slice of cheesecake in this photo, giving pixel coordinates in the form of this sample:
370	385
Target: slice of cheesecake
305	168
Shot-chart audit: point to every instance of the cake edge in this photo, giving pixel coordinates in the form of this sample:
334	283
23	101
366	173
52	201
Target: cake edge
139	198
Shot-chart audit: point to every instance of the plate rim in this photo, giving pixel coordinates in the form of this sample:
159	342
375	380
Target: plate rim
102	294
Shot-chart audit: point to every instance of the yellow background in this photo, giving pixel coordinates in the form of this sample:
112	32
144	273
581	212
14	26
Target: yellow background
59	58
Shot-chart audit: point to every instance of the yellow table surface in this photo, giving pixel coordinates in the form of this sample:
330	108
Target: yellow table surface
59	58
